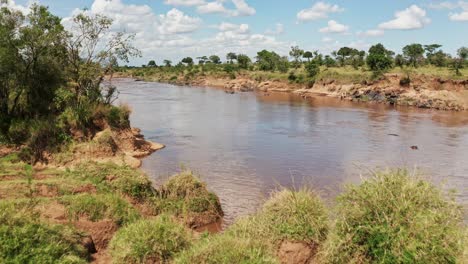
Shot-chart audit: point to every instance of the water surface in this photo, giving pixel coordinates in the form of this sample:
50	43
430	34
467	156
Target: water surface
245	145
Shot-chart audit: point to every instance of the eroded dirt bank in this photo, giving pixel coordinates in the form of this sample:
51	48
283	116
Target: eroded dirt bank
420	91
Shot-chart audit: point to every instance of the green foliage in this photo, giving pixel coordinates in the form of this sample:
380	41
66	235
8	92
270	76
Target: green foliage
414	54
312	69
243	61
379	59
119	116
155	240
393	217
224	249
24	239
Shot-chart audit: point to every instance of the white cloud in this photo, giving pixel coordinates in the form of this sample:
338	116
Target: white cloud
334	27
12	5
279	29
184	2
318	11
443	5
412	17
327	39
371	33
463	15
212	8
359	45
242	9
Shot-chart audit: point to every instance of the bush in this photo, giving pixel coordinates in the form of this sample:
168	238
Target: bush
395	218
24	239
224	249
312	69
119	116
149	241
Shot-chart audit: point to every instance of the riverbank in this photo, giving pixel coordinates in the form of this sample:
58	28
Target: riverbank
419	90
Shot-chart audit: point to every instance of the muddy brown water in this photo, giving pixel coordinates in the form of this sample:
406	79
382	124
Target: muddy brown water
245	145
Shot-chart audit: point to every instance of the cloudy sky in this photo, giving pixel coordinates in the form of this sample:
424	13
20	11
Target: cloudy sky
171	29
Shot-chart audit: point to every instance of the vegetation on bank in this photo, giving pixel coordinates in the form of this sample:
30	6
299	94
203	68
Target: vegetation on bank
47	215
346	65
51	79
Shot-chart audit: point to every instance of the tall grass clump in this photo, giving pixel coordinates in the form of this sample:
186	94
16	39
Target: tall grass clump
288	215
25	239
149	241
394	217
225	249
186	196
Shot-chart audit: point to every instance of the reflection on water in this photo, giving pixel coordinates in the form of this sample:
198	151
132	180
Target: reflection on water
245	145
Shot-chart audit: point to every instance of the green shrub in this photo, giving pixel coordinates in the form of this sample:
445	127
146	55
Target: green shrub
149	241
24	239
225	249
98	207
119	116
395	218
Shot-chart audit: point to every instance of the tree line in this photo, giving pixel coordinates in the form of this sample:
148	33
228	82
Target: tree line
378	59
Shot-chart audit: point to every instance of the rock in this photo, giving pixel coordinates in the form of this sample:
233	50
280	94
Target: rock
296	252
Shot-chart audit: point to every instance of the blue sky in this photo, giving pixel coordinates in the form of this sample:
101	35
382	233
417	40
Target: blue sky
175	28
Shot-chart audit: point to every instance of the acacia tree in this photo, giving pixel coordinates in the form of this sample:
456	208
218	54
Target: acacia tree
167	63
414	53
92	55
215	59
231	56
308	55
296	53
460	62
430	51
152	63
243	61
188	61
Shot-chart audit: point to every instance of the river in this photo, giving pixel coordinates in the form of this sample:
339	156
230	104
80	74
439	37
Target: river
245	145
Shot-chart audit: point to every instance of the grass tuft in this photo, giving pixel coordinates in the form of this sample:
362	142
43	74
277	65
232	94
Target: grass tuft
149	241
393	217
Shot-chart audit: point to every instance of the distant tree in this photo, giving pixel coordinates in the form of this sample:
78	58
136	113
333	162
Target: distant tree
202	60
167	63
460	62
215	59
312	69
231	56
283	64
414	53
308	55
188	61
439	59
318	58
296	53
430	51
268	60
379	59
243	61
400	61
152	63
329	61
344	53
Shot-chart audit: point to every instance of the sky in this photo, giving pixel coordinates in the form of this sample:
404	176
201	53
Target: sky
173	29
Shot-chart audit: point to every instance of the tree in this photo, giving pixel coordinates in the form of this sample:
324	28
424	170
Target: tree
296	53
243	61
152	63
430	51
329	61
343	54
167	63
202	60
379	59
312	69
414	54
231	56
460	62
439	59
308	55
215	59
188	61
268	60
400	61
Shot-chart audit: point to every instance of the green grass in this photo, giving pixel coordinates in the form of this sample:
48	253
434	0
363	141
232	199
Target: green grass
99	207
288	215
394	217
25	239
226	249
149	241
